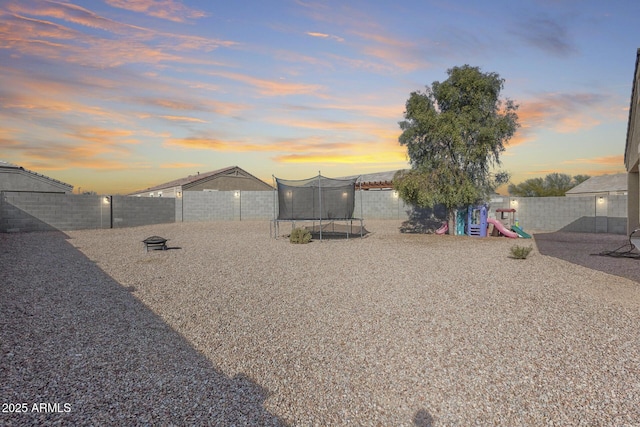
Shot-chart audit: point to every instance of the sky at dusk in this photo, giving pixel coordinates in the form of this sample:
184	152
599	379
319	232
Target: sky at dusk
114	96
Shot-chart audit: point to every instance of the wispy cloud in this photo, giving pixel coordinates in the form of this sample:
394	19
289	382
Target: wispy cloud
604	160
547	34
29	28
70	13
560	112
405	55
324	36
164	9
391	157
272	87
109	138
180	165
183	119
214	143
89	155
378	49
300	150
326	150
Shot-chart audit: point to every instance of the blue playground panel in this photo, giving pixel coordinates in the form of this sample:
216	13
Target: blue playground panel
461	223
477	221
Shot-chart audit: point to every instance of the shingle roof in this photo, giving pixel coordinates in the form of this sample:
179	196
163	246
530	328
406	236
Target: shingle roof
186	180
8	165
601	184
191	179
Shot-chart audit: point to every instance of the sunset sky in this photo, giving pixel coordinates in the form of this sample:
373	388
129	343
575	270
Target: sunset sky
114	96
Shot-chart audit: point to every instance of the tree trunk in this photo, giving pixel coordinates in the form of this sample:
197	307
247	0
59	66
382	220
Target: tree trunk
451	220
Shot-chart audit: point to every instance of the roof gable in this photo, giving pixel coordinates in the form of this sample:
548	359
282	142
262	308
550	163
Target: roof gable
13	168
601	184
193	180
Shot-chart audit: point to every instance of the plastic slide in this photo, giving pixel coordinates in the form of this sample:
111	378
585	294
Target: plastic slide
520	232
501	228
443	229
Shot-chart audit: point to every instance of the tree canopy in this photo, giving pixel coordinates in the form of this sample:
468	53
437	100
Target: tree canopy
455	132
554	184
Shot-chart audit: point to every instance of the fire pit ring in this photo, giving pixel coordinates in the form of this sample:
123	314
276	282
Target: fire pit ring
155	242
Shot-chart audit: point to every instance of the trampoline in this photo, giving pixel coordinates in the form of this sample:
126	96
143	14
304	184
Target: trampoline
320	200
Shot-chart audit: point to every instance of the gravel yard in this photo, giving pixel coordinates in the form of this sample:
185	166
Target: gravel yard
232	327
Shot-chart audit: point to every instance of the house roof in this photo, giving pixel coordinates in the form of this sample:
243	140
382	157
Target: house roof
630	157
194	179
8	165
601	184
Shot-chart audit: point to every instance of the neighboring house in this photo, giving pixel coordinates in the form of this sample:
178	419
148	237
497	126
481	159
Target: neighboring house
231	178
631	153
17	178
602	185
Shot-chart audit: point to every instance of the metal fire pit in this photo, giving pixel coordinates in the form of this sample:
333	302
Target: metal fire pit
155	242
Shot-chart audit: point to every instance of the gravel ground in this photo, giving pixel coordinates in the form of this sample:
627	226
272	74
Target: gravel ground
584	248
232	327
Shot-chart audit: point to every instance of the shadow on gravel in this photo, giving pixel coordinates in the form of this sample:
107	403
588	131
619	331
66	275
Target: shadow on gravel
423	419
76	340
584	249
424	220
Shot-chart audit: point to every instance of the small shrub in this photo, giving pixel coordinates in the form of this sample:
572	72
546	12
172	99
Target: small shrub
300	235
520	252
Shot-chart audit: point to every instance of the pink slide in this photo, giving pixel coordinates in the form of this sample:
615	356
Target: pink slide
497	224
443	229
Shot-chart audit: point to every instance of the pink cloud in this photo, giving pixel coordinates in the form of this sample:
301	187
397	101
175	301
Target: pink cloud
180	165
617	160
164	9
131	44
324	36
272	87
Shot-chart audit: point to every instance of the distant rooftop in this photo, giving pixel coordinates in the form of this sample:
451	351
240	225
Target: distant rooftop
193	179
601	184
7	165
180	182
4	164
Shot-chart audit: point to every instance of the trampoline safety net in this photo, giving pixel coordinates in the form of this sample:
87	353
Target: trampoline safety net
317	198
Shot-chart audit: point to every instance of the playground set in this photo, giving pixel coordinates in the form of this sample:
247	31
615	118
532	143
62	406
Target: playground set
476	222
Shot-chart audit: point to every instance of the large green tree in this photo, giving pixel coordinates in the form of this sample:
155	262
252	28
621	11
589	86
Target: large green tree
455	132
554	184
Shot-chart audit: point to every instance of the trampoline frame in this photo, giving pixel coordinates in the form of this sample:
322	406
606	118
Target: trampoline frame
274	224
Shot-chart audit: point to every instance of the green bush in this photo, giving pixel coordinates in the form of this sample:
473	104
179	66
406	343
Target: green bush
520	252
300	235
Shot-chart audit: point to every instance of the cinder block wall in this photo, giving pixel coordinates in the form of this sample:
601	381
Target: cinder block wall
589	214
256	205
380	204
47	211
210	206
136	211
24	212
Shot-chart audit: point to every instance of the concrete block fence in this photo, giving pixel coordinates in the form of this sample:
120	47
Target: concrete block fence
27	211
587	214
31	211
